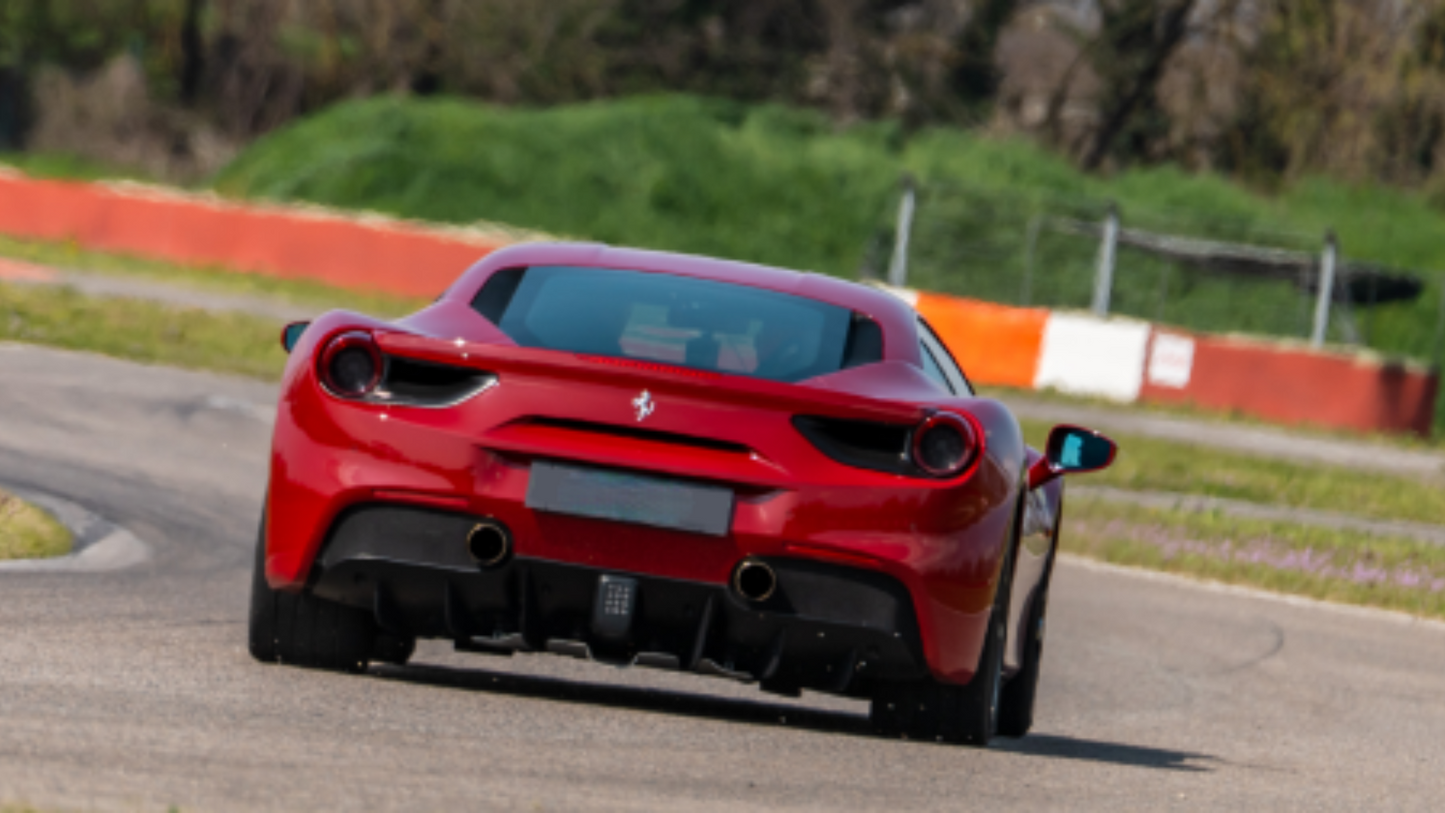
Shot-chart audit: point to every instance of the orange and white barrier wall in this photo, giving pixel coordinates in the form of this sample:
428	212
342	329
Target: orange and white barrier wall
371	253
1126	360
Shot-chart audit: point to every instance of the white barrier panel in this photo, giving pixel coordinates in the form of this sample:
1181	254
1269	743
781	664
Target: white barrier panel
1082	355
1171	360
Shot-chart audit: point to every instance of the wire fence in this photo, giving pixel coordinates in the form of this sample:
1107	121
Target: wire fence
1183	268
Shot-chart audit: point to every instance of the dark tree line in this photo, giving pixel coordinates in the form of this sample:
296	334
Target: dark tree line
1265	88
256	63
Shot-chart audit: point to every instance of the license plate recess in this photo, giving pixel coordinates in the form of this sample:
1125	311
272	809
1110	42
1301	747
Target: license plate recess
626	497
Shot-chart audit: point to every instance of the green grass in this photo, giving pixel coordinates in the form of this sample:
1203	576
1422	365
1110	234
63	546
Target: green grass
1322	563
65	167
26	532
214	278
141	331
1147	464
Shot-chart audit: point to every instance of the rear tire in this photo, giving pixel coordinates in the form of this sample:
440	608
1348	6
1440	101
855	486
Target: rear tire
393	649
1016	703
300	629
931	710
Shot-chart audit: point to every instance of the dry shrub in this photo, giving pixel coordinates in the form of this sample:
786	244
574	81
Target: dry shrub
110	117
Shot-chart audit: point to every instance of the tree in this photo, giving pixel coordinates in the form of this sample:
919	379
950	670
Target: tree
1136	38
975	74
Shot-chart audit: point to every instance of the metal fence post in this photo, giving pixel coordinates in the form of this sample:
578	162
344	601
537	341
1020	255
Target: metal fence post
1326	293
1104	275
1437	354
898	268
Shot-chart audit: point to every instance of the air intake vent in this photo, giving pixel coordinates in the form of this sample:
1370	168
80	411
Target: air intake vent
864	444
410	382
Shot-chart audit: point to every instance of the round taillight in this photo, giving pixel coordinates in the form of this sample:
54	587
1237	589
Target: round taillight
351	364
944	445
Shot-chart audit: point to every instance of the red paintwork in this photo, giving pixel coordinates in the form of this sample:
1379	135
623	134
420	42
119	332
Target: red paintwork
944	539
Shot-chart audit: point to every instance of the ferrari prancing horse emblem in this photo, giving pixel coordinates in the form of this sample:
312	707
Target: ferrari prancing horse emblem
644	405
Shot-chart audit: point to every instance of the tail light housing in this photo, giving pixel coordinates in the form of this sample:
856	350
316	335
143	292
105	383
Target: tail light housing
351	365
944	445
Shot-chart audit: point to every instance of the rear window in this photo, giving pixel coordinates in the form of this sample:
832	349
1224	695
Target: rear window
697	323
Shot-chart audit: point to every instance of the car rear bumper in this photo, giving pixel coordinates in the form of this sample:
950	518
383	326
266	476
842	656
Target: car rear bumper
826	627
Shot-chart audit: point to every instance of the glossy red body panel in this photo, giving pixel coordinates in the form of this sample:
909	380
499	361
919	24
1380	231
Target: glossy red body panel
943	539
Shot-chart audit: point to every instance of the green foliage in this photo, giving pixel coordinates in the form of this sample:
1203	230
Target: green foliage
61	166
82	34
763	184
1354	89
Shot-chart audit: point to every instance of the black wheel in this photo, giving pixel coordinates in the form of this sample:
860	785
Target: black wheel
262	629
393	649
968	714
1016	702
303	630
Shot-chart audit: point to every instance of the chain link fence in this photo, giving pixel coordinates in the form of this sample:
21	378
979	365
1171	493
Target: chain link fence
1182	268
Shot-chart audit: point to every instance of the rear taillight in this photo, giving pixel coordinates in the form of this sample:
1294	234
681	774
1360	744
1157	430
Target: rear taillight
351	365
944	445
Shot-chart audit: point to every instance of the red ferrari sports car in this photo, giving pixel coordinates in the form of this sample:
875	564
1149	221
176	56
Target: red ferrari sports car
667	461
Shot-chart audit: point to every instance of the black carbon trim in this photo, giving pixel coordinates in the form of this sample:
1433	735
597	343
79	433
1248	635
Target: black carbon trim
827	627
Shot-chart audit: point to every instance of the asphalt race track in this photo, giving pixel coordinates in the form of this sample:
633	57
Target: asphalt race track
131	689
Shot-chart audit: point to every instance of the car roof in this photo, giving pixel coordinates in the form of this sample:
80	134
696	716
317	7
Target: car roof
896	317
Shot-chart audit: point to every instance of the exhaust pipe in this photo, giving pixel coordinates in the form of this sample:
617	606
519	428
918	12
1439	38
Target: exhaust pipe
489	543
755	581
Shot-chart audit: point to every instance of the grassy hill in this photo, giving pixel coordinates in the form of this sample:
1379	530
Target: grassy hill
783	186
676	173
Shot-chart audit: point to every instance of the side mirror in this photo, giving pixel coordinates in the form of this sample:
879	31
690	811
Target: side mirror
1072	449
291	334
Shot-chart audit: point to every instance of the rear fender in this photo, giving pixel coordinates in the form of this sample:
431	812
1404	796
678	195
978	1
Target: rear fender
1039	511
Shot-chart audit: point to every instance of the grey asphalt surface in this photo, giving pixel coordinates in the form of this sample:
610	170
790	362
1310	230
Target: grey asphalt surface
132	689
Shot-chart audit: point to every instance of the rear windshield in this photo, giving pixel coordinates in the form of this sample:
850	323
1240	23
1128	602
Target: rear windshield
697	323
